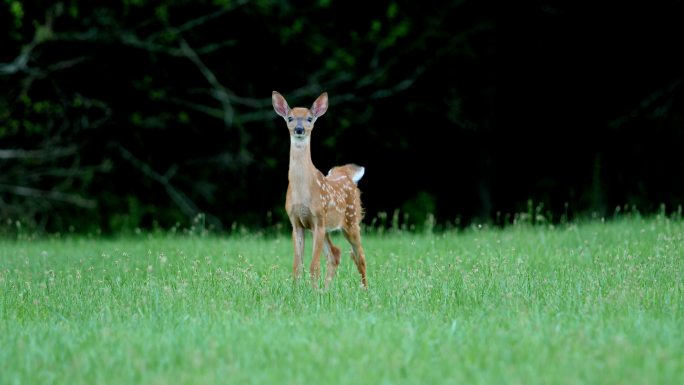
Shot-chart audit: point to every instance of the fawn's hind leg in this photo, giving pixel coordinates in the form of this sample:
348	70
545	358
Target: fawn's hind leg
354	237
333	254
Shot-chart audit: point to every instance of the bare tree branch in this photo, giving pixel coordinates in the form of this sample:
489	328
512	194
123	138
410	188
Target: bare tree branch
648	102
187	206
38	154
130	39
400	86
219	92
20	63
211	111
30	192
203	19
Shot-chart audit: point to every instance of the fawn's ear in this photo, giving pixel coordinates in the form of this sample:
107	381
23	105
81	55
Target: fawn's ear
279	104
320	105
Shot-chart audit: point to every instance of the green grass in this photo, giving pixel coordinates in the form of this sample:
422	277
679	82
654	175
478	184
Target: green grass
595	303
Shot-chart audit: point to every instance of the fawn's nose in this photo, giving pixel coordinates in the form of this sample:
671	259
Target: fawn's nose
299	130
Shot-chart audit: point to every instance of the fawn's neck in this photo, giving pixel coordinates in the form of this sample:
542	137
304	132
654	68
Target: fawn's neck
302	171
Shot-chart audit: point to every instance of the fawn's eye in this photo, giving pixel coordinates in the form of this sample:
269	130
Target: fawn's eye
309	119
289	118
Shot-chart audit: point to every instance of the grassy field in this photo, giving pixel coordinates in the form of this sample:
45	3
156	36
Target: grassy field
594	303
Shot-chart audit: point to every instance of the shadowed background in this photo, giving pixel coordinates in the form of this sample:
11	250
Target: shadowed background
143	114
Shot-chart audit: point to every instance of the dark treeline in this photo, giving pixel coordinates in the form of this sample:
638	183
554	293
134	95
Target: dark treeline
140	113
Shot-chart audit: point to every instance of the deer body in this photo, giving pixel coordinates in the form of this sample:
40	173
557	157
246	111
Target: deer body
316	202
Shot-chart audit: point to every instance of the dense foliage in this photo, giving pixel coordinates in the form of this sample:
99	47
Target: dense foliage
128	114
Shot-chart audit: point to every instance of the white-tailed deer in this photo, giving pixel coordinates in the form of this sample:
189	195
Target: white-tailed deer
316	202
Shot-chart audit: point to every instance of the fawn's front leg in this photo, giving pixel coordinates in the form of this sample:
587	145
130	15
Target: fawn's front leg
318	240
298	242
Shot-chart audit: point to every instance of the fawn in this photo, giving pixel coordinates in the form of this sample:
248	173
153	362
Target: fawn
316	202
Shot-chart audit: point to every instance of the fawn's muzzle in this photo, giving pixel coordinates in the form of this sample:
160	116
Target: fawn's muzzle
299	130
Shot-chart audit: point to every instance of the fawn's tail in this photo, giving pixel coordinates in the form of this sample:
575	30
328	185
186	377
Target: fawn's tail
351	170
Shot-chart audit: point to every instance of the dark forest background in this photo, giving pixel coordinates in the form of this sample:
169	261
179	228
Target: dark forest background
136	113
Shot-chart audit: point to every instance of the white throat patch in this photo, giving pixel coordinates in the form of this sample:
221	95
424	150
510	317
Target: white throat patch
299	142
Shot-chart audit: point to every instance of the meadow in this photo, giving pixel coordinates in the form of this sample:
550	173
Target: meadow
585	303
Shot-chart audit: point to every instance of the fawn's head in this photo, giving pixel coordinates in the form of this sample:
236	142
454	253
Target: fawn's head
300	121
